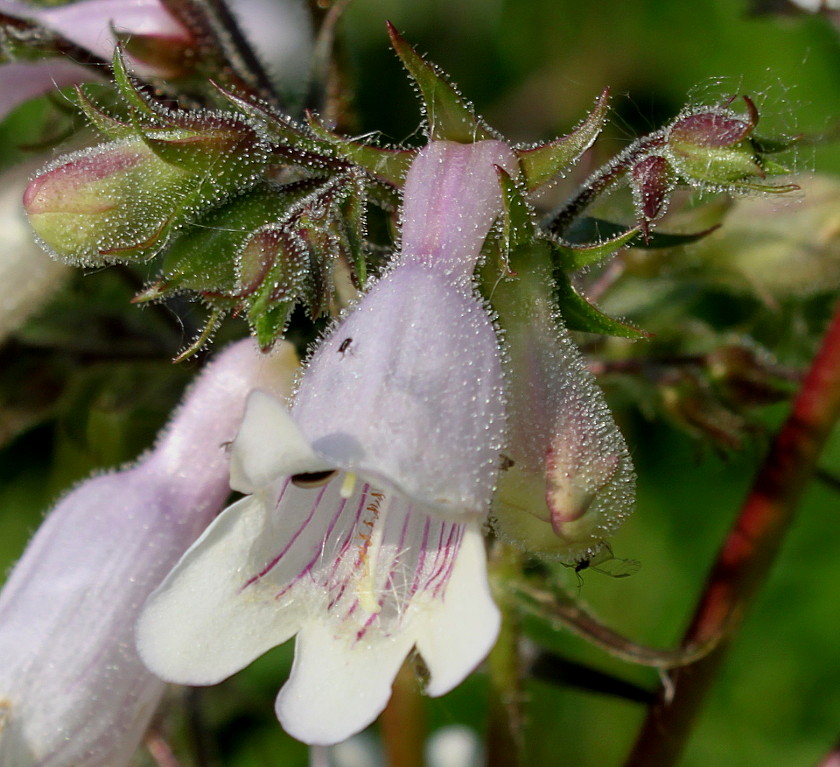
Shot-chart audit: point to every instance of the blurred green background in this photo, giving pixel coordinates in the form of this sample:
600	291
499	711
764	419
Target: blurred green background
533	69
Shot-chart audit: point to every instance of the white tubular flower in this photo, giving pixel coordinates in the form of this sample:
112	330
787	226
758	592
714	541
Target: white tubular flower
73	692
362	533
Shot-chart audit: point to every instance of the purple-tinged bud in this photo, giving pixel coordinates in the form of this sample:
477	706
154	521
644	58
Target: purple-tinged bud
652	182
713	128
711	145
73	692
98	202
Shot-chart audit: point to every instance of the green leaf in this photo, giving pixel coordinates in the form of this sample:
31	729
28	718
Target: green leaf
542	163
450	117
579	314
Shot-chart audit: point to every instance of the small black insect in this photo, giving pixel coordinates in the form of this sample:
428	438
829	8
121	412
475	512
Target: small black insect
345	345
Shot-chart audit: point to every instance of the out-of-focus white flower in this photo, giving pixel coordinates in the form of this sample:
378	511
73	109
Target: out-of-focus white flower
28	276
73	692
454	746
815	6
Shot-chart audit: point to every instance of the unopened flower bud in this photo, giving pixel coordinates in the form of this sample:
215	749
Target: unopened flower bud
651	181
711	146
567	479
122	200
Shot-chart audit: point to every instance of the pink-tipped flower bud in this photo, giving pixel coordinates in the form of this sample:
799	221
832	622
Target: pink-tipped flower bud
122	200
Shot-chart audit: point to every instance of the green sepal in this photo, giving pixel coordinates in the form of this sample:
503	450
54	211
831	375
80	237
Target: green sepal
108	126
449	116
543	163
227	155
126	86
769	188
518	227
277	127
579	314
204	336
389	165
716	165
202	258
352	233
570	257
765	145
271	304
270	325
773	168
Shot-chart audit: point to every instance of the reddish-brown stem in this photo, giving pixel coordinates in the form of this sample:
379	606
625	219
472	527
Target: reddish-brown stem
403	721
747	553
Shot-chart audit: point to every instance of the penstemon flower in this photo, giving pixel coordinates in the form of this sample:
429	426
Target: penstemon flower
362	531
73	692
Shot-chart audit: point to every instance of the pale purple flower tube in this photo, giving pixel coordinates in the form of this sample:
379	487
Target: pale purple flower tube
452	198
73	692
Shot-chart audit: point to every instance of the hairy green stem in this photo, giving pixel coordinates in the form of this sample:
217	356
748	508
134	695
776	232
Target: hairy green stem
747	554
504	724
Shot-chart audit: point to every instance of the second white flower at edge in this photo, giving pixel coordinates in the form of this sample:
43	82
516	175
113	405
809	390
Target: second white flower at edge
398	424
